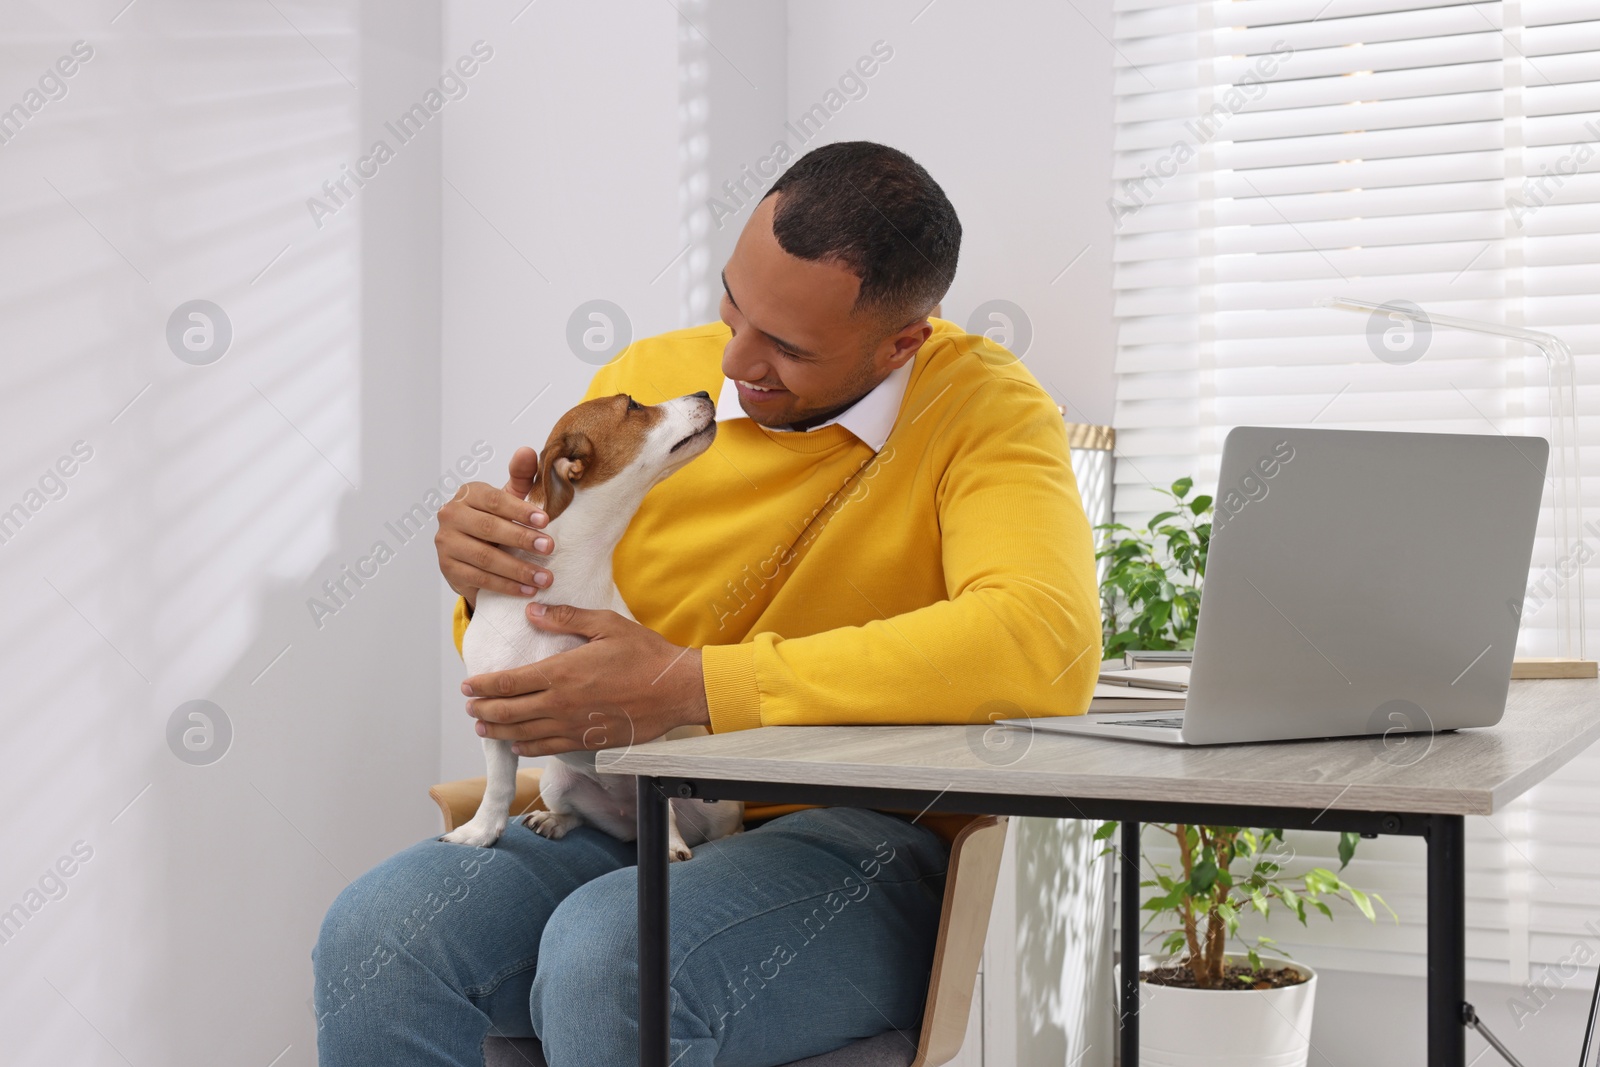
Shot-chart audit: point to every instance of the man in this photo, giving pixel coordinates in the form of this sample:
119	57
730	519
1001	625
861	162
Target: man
886	530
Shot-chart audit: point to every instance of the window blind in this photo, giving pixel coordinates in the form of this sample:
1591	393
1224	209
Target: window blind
1271	153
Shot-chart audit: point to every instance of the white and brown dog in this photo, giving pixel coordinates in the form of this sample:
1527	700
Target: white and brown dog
601	459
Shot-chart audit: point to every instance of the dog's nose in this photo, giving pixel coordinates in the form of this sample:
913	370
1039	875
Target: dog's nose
702	394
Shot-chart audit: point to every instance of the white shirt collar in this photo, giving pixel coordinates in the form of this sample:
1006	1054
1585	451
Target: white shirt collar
870	419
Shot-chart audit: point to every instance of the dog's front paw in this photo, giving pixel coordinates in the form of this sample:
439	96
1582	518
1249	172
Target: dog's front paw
551	824
479	835
679	851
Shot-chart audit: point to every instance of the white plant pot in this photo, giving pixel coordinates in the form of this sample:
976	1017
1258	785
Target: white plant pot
1226	1027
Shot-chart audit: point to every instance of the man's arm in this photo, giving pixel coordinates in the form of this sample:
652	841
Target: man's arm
1020	634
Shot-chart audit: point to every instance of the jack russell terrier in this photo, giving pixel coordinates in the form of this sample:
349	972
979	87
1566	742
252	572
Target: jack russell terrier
602	457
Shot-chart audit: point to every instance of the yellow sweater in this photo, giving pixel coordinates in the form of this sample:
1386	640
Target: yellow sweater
949	579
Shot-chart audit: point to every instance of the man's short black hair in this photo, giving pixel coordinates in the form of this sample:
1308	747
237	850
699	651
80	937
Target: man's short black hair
875	210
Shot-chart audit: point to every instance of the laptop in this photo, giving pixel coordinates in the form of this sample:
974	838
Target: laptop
1358	583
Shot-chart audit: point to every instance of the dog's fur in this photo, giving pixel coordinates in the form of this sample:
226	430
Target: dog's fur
602	457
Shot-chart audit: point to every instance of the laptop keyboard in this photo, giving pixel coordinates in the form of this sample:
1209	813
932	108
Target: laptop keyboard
1174	723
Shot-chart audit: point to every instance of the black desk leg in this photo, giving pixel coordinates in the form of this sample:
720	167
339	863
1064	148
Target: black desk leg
653	925
1128	870
1447	951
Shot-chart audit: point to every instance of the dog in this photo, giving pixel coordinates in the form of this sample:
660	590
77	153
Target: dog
601	458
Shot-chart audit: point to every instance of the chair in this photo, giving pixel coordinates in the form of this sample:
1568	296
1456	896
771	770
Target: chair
963	925
1092	452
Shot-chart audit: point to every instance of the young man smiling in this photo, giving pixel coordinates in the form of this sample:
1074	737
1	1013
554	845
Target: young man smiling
886	530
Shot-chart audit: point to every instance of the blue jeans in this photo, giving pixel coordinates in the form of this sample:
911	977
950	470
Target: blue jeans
806	933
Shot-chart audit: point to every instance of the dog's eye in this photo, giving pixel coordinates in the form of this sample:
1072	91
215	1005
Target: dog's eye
634	405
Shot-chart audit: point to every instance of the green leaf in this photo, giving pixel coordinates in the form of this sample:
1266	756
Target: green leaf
1361	902
1181	487
1203	877
1199	504
1347	847
1291	898
1105	830
1321	880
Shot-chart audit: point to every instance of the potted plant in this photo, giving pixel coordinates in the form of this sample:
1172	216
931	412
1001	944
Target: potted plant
1201	1003
1149	601
1193	1003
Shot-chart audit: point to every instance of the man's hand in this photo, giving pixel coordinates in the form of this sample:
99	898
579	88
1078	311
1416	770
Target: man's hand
628	684
479	520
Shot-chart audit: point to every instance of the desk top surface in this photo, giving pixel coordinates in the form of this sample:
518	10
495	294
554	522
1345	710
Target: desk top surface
1469	772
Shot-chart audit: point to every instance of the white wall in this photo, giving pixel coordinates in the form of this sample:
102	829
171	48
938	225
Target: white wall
179	562
1008	106
1377	1020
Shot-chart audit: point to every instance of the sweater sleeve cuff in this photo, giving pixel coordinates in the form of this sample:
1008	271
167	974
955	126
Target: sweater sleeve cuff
732	694
458	624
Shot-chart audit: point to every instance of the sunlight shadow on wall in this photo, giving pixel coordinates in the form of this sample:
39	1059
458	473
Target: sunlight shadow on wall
1064	944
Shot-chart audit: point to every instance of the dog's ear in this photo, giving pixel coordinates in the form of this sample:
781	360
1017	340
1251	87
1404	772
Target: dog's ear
561	469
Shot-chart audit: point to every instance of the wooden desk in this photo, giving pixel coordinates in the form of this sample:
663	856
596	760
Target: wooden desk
1417	785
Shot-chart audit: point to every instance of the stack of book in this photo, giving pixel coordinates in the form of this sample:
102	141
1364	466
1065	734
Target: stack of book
1143	681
